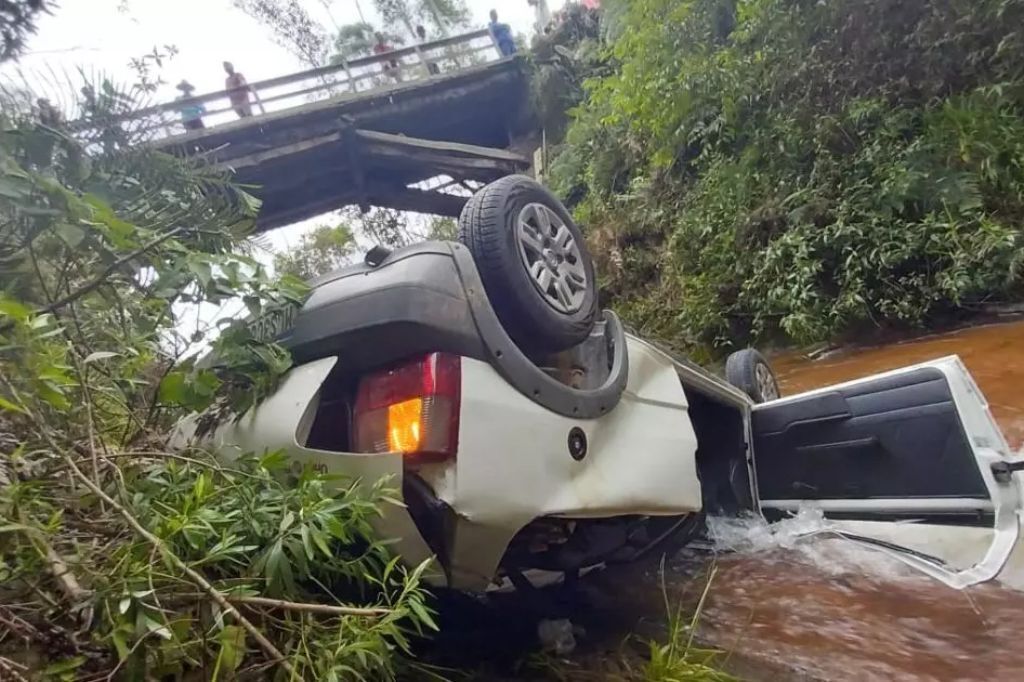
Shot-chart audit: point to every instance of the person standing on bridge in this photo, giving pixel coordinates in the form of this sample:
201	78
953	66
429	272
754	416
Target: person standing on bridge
238	91
383	47
421	34
191	112
502	35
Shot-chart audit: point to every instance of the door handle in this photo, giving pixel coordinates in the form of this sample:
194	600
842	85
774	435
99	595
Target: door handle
1003	471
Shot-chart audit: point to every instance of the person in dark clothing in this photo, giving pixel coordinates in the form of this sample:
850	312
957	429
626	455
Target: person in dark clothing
502	35
432	68
48	114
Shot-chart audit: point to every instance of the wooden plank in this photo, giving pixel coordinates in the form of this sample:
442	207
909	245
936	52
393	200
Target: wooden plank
418	201
429	165
403	142
399	198
275	153
302	211
434	157
476	161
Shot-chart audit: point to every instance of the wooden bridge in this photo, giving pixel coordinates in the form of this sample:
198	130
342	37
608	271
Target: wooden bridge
415	129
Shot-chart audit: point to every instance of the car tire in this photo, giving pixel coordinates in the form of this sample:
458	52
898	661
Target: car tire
533	262
750	372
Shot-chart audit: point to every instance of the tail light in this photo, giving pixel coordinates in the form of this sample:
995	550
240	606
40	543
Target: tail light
412	409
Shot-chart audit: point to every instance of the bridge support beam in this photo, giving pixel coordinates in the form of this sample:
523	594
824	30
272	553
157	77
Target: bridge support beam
369	168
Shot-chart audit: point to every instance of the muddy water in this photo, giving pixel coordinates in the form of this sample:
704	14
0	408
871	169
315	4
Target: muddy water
788	612
994	354
820	610
823	614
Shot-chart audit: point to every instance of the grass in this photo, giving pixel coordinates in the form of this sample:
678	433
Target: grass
675	658
678	659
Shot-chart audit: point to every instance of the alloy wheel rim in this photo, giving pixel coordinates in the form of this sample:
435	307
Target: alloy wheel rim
552	258
766	383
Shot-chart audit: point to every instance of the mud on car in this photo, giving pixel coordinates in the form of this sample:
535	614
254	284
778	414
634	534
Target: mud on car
529	430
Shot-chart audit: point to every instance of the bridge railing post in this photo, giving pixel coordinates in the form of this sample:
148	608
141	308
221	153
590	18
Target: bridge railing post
422	61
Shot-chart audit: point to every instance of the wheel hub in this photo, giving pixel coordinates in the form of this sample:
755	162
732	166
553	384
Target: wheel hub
552	258
769	388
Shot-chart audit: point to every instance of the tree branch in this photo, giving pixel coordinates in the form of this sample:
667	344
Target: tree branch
102	277
326	609
268	647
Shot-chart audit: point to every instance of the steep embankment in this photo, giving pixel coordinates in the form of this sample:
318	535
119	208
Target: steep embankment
802	169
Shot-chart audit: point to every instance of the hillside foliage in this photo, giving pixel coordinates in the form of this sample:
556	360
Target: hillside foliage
802	169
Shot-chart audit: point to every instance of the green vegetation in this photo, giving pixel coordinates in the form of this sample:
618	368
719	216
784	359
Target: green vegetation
120	556
797	169
323	249
679	658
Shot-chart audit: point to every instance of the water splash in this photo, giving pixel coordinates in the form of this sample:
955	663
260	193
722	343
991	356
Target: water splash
751	533
798	536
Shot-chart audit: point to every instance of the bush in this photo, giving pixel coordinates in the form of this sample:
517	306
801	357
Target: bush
803	169
120	558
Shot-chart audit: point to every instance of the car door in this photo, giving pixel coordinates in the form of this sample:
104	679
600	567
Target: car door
908	461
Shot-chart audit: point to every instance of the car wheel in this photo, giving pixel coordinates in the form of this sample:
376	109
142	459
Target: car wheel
534	263
750	372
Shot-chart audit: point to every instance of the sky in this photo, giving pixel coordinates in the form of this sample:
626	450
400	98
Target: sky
105	34
102	36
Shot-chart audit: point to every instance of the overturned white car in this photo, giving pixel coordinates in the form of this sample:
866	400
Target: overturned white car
526	430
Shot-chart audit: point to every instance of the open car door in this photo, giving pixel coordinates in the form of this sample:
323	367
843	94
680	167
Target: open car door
907	461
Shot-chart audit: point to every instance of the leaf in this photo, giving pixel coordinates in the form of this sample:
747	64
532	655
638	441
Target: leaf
307	542
274	461
65	666
287	520
156	627
422	613
100	355
71	234
120	643
202	270
53	396
254	305
173	390
14	309
321	542
232	649
205	383
11	407
15	185
119	231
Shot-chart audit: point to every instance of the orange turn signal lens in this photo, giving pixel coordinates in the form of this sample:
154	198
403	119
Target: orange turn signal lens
405	428
411	408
